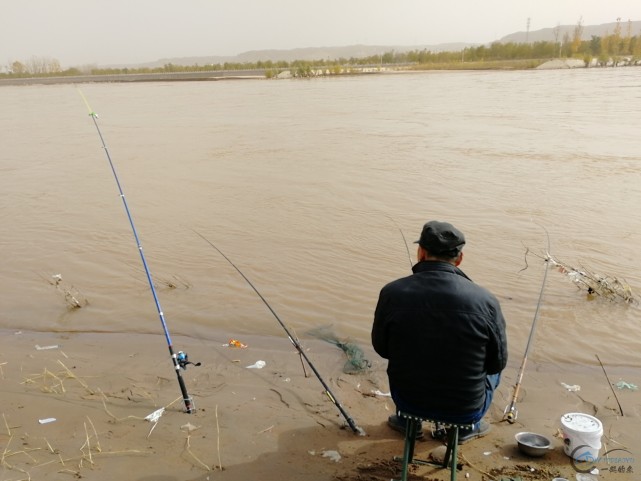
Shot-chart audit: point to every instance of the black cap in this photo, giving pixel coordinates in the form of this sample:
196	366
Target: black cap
441	238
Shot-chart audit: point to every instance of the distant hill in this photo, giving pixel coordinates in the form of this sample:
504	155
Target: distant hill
556	34
310	53
360	51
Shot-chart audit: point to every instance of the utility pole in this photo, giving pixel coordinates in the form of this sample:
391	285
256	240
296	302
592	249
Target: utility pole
527	31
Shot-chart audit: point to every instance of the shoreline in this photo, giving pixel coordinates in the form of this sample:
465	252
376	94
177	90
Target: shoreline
260	74
270	422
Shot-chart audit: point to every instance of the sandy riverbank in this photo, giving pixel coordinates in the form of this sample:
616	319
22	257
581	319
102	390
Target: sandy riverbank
268	424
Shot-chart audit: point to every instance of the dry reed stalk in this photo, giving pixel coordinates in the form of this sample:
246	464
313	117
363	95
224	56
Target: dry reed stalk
153	426
6	425
64	462
188	449
95	433
476	469
45	377
174	402
220	463
71	375
4	453
7	454
87	444
28	478
51	450
104	404
75	474
57	385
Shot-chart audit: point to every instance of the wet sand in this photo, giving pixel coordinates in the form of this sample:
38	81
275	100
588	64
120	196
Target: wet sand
268	424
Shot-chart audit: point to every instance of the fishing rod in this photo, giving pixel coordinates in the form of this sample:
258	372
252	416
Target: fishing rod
510	413
294	341
609	383
180	360
409	256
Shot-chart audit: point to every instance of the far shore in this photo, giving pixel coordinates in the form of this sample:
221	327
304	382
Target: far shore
146	77
261	74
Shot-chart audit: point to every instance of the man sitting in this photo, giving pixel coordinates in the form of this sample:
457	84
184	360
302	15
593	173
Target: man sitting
443	336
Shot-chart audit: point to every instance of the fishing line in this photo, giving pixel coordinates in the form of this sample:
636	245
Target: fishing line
294	341
180	360
510	413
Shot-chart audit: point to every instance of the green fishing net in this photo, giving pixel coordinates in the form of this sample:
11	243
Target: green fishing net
356	361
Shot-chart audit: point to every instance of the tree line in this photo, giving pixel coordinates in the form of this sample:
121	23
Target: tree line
618	47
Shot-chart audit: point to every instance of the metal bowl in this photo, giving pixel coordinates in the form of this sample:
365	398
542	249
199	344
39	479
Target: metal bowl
533	444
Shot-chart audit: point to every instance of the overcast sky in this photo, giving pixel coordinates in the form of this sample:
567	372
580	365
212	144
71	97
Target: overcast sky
104	32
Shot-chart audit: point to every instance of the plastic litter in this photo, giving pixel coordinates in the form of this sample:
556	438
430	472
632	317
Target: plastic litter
44	348
381	393
626	385
46	420
257	365
333	455
585	477
571	388
235	343
155	416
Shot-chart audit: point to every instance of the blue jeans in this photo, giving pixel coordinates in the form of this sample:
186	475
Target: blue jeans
491	383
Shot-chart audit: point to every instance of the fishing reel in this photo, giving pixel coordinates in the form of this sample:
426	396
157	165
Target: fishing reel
510	414
183	360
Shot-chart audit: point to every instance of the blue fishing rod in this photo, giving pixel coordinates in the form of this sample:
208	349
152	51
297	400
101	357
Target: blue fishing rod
352	424
180	360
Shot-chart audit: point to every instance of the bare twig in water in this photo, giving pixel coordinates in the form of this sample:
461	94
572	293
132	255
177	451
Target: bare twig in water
527	250
73	298
172	282
175	282
611	288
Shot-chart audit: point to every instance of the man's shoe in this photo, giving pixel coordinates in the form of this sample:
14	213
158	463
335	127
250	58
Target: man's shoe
467	435
439	432
398	424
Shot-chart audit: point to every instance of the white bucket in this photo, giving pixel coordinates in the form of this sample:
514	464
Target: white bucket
581	436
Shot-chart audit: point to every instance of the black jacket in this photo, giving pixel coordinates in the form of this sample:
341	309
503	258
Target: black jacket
442	335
